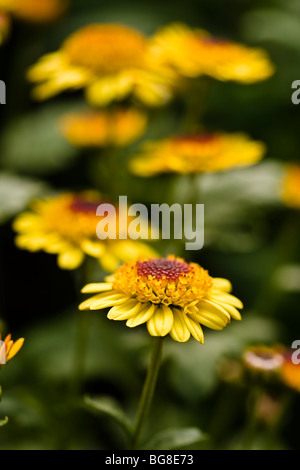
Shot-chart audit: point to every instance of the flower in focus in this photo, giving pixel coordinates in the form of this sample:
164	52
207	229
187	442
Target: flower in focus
194	52
4	26
104	128
34	11
263	358
66	225
168	294
291	187
9	348
110	61
197	153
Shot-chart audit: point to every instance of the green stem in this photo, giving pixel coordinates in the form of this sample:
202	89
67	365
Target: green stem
81	344
148	391
252	415
82	336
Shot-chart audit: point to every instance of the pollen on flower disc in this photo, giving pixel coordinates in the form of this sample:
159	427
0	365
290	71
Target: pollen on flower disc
159	268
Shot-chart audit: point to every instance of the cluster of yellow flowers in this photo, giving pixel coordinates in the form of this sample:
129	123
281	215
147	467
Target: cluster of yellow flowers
113	62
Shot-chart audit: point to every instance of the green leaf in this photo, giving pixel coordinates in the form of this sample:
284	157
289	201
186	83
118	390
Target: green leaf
16	192
170	439
3	422
33	143
108	406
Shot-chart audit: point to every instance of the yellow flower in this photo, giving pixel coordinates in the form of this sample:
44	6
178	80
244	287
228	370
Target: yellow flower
194	52
104	128
291	186
168	294
9	348
36	11
66	225
110	61
197	153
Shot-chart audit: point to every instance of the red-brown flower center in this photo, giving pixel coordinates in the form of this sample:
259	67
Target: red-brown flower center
82	205
159	268
197	138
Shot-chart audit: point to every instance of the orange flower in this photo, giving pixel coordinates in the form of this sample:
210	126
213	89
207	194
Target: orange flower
9	348
291	186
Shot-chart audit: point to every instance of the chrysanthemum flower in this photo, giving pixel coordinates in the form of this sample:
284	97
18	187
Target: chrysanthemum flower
291	186
66	225
264	358
197	153
110	61
168	294
194	52
104	128
35	11
9	348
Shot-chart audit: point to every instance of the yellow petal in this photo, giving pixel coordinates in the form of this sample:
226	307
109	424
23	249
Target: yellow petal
232	311
116	299
70	259
213	308
105	90
109	262
179	331
96	287
161	321
125	311
206	319
15	348
226	298
145	313
194	328
222	284
95	249
26	221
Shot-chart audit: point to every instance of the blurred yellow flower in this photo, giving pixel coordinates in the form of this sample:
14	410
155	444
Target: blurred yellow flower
9	348
110	61
194	52
170	295
104	128
197	153
291	186
35	11
4	26
66	225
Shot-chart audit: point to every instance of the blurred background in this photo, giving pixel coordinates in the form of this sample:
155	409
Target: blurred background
251	238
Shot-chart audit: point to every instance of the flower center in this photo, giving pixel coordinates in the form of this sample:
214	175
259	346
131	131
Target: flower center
165	280
82	205
159	268
106	49
193	146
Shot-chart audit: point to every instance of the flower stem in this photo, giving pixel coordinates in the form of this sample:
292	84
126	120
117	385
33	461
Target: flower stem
82	335
148	391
